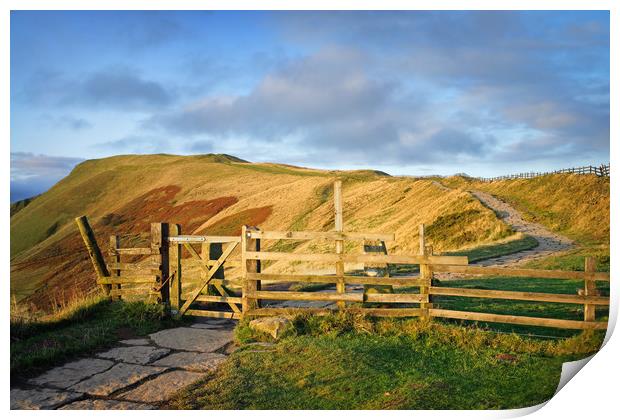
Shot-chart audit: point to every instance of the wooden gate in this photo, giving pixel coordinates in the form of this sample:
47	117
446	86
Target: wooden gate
215	251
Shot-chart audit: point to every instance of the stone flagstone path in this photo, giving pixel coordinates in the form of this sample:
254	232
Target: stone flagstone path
137	374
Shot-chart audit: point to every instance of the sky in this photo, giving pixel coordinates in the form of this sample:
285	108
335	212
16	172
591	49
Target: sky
408	93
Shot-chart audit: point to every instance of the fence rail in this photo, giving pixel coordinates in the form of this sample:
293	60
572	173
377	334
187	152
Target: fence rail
602	170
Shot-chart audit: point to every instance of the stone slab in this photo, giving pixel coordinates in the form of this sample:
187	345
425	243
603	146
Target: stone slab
119	377
162	387
141	355
106	405
72	373
136	342
41	398
192	339
201	362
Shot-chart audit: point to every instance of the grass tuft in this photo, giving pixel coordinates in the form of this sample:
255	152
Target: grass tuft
82	328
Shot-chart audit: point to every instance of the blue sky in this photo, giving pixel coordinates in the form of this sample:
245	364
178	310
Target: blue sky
486	93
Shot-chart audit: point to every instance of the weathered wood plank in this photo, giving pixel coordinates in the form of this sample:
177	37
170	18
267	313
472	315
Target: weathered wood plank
115	241
135	251
331	236
357	258
396	298
518	272
175	270
520	320
310	278
589	313
426	275
510	295
96	258
159	244
201	239
129	279
213	314
288	311
339	227
378	312
249	266
311	296
218	299
134	266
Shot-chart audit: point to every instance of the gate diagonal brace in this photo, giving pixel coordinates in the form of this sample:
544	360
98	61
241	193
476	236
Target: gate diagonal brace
209	274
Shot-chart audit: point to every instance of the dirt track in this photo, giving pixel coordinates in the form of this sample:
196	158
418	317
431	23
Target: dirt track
548	242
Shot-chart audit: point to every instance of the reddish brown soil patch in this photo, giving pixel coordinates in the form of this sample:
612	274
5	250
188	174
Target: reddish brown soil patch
231	225
505	357
158	206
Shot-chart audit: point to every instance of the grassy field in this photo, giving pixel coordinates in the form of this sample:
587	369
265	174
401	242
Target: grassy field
574	259
82	329
350	362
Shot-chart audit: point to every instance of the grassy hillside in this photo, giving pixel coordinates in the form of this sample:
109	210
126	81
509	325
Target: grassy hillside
576	206
217	194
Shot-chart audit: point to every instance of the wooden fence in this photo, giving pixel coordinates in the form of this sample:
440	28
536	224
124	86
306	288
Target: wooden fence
165	273
602	170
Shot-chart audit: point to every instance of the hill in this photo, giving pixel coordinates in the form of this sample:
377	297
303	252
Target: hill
216	194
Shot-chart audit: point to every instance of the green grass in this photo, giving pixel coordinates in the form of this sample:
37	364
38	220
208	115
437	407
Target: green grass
451	228
497	250
574	260
93	325
350	362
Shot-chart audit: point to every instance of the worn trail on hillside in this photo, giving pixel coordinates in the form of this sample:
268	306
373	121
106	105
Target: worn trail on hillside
549	243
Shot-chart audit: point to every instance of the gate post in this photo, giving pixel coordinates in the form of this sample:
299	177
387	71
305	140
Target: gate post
589	289
115	257
88	236
249	244
426	276
340	285
174	259
159	245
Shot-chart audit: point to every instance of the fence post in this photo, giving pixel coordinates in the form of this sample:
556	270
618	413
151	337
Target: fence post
340	286
590	289
425	276
88	236
115	257
174	269
249	244
159	245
